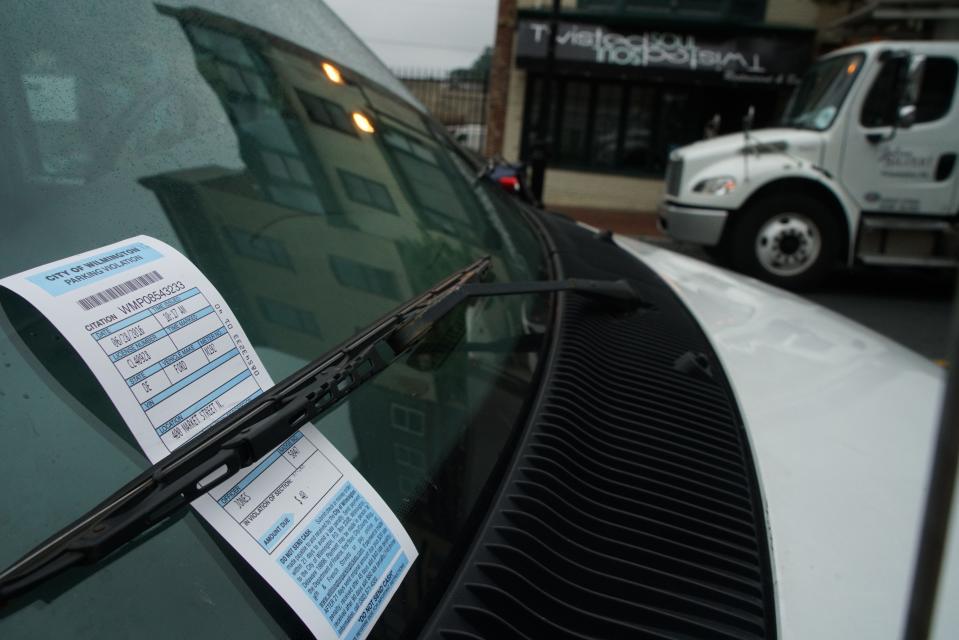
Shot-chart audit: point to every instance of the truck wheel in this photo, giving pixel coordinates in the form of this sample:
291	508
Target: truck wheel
790	240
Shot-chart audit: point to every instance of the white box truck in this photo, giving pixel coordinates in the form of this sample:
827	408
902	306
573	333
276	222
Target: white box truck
861	170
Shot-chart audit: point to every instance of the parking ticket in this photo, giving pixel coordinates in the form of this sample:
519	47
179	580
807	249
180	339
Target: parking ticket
172	357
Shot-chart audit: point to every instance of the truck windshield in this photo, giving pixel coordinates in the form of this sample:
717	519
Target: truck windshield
269	146
818	97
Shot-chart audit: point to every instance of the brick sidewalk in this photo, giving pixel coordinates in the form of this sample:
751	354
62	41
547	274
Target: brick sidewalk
630	223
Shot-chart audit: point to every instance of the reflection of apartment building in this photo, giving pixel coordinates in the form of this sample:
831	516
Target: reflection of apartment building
263	253
637	78
322	215
319	207
326	227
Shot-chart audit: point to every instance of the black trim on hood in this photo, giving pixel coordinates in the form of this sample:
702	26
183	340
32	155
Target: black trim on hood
631	507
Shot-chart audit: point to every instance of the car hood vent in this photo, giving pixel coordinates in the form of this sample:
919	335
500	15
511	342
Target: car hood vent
631	508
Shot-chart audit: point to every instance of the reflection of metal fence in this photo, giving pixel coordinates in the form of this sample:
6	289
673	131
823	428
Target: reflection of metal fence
456	98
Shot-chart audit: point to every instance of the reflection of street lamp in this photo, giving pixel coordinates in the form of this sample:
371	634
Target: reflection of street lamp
541	143
363	123
332	73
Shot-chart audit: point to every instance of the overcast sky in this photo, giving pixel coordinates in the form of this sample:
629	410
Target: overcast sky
435	34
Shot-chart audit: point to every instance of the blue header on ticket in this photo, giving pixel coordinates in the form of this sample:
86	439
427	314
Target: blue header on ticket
70	277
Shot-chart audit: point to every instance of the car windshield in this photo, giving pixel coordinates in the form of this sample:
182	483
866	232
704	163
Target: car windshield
819	96
213	126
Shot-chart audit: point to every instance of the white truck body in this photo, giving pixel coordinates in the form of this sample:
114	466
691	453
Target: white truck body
888	184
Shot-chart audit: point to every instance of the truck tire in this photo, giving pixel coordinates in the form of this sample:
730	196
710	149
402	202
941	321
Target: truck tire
790	240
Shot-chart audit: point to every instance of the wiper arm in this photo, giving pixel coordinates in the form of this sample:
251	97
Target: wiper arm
240	439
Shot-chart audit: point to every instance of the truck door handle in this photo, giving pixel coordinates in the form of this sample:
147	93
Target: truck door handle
885	134
944	166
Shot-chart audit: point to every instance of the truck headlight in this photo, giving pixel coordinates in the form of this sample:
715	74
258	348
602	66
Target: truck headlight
718	186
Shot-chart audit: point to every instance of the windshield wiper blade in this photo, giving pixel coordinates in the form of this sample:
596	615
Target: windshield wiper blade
241	439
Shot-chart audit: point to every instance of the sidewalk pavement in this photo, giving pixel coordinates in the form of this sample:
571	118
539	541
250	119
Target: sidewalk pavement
629	223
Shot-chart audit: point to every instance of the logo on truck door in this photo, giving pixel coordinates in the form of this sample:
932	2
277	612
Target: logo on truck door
896	162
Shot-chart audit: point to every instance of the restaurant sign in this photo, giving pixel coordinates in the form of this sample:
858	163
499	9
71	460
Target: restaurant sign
760	59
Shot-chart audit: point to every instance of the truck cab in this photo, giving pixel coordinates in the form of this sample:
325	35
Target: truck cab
862	169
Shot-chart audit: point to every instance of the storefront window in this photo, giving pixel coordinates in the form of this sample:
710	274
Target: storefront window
637	141
534	94
676	110
575	116
604	146
614	126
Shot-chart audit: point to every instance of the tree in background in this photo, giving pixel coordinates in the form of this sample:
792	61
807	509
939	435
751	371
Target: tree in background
479	70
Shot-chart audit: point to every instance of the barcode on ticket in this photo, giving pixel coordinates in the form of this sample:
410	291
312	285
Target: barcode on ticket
119	290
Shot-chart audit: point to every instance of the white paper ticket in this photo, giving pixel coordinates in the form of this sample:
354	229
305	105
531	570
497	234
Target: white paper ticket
173	359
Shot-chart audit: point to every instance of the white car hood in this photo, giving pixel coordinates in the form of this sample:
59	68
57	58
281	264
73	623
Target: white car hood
841	422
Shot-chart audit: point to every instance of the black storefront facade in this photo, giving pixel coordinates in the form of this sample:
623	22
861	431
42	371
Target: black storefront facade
626	92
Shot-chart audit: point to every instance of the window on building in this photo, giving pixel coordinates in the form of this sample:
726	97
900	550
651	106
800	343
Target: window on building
534	93
620	127
576	123
638	128
431	186
364	277
365	191
605	143
409	457
406	419
678	123
288	316
326	113
243	79
285	167
236	66
258	247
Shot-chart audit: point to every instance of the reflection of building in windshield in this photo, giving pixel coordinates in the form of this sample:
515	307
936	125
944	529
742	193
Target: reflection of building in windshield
326	229
320	204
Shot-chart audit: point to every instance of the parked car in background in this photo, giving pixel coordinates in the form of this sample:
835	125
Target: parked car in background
713	458
861	171
512	178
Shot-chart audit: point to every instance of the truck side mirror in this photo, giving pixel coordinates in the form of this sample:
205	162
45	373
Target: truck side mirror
906	116
909	92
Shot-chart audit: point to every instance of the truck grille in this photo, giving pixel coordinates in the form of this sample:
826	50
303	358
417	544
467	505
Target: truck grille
674	176
632	508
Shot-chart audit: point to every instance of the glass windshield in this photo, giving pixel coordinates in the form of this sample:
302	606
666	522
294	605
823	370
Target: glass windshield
819	96
216	130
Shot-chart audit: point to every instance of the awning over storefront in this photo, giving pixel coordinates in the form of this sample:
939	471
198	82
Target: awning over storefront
732	55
